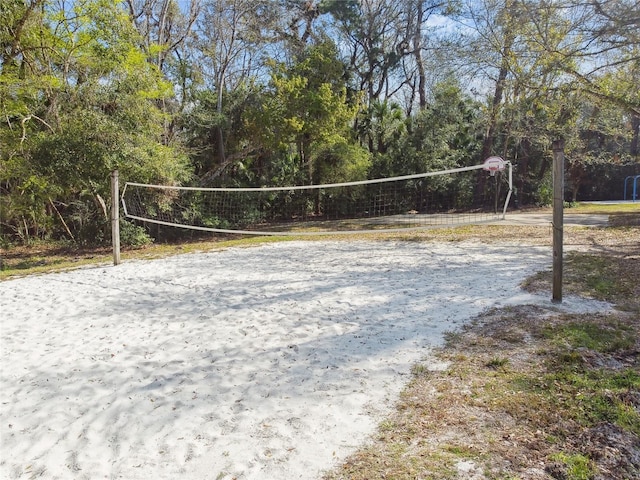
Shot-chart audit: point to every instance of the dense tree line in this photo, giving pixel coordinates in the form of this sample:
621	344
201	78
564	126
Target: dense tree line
281	92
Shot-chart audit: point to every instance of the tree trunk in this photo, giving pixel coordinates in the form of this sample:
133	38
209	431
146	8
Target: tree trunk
222	158
489	139
634	148
543	168
417	49
523	170
221	153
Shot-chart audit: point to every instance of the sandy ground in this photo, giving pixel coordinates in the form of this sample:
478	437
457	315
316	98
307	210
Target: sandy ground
270	362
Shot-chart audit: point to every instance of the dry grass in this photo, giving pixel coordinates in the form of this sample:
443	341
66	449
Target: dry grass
505	408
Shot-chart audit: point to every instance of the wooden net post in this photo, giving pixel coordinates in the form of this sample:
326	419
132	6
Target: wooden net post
115	217
558	218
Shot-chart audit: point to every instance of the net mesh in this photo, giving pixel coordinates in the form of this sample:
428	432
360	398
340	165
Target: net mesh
466	195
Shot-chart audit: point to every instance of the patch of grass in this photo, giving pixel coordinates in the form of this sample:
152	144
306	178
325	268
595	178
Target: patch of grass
600	208
588	397
588	274
611	276
386	425
34	263
606	397
419	370
497	363
625	220
591	372
461	451
577	467
38	264
607	336
451	336
600	278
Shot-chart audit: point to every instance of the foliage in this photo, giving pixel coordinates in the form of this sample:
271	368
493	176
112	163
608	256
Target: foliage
75	111
303	121
259	92
132	235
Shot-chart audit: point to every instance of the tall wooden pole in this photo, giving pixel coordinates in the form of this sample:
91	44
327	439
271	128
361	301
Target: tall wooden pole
558	218
115	217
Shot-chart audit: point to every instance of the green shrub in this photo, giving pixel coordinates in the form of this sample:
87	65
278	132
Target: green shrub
544	193
133	235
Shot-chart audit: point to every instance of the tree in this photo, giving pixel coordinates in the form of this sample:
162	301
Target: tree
229	32
534	60
609	45
306	115
615	29
377	40
446	134
165	28
381	126
584	50
81	100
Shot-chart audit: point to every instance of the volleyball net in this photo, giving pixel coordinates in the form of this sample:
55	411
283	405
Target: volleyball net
448	197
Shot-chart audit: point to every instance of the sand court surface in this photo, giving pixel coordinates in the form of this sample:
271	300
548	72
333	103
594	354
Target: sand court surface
266	362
